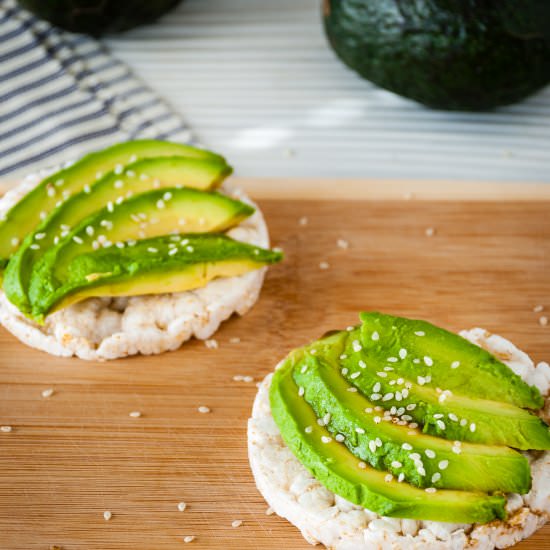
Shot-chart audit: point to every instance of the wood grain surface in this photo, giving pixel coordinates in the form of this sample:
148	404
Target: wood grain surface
78	453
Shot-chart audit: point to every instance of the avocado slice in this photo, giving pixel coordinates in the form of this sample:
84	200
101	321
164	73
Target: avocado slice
344	474
449	415
173	263
23	218
114	187
379	440
151	214
452	362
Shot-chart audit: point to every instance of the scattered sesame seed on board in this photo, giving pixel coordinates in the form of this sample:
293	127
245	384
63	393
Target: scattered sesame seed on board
303	221
107	515
6	429
538	308
269	511
135	414
234	340
189	538
324	265
543	321
236	523
343	244
203	409
47	393
211	344
430	232
182	506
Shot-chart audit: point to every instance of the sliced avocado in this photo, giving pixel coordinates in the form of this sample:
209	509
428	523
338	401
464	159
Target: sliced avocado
376	438
152	214
114	188
23	218
445	414
172	263
418	348
342	473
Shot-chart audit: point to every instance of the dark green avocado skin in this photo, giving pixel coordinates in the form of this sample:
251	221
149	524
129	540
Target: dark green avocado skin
98	17
447	54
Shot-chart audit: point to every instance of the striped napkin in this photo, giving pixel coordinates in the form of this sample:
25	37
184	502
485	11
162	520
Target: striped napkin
63	94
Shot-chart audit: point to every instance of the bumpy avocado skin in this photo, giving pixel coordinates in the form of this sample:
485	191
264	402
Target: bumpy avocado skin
98	17
446	54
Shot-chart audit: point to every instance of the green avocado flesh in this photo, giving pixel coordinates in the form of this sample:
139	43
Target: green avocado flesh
113	188
389	435
344	474
142	216
172	263
26	215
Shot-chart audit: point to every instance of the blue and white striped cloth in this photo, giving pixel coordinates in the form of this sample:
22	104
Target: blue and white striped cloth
63	94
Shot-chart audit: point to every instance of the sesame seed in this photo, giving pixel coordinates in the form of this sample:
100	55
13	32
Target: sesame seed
387	396
43	215
420	333
344	371
372	446
401	477
398	396
343	356
236	523
388	478
402	353
235	340
14	242
411	407
361	465
360	430
342	243
326	418
396	464
308	429
211	343
543	321
39	236
51	191
431	490
453	417
172	251
538	308
269	511
144	177
378	442
443	464
430	231
391	359
377	420
303	221
135	414
77	239
133	158
324	265
429	453
110	206
463	422
325	439
107	515
202	409
339	438
388	369
362	364
90	231
119	169
47	393
413	425
152	250
375	397
436	477
428	360
376	387
189	538
472	427
382	374
440	424
414	456
406	447
355	375
421	471
301	391
189	248
428	379
352	390
34	247
118	184
130	173
368	410
6	429
407	417
167	196
421	380
455	364
375	336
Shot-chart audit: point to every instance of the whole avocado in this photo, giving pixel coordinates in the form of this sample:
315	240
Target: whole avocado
446	54
97	17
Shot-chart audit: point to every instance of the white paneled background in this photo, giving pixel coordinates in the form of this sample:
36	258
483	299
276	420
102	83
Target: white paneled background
258	82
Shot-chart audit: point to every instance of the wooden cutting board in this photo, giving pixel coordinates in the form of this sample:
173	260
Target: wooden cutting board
78	453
